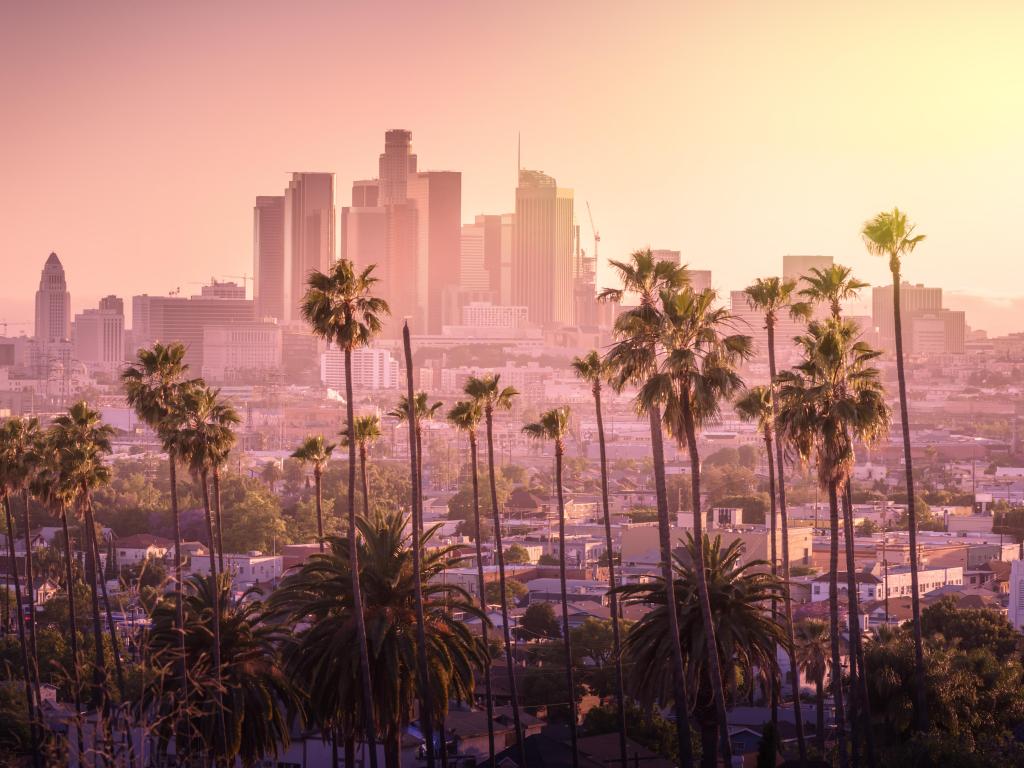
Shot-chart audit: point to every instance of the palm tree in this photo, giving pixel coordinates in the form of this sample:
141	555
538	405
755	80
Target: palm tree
204	442
745	635
696	375
465	415
251	693
832	286
83	442
340	307
891	234
316	452
487	394
367	432
154	386
633	359
11	446
831	399
553	425
412	409
771	296
812	653
320	592
591	369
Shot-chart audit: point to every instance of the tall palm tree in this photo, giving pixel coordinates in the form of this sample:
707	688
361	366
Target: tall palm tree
592	369
772	296
698	372
487	394
553	425
83	442
320	592
891	234
252	694
832	286
315	451
340	307
832	398
812	653
745	635
367	432
11	445
465	416
204	442
154	386
413	408
51	486
631	361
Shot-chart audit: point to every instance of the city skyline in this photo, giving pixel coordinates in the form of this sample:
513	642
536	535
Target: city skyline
727	178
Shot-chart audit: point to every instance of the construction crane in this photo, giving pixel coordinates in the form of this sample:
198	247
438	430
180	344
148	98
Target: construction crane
6	323
244	278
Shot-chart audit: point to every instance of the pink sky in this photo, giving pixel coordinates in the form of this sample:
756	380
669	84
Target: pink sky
136	135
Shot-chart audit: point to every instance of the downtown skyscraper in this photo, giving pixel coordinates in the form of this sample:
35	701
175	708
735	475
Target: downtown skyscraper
271	275
309	233
53	304
544	250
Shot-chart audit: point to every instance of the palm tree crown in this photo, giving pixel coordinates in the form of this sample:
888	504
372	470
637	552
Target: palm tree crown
832	285
314	451
552	425
891	234
340	308
772	295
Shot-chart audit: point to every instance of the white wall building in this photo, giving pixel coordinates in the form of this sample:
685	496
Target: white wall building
98	336
246	570
1016	613
241	351
371	369
482	314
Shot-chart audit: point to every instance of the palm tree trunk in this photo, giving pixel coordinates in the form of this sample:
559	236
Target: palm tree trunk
714	665
76	677
350	752
317	480
920	702
773	533
179	605
566	638
353	554
30	698
819	697
99	677
858	683
665	540
33	648
215	608
217	512
115	645
620	684
483	599
422	669
833	615
500	553
787	599
365	481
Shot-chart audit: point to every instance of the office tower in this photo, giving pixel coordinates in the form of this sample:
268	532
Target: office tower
308	232
53	304
914	300
473	274
271	288
242	352
372	368
795	267
483	314
665	254
700	279
436	198
365	193
176	318
98	336
544	250
395	166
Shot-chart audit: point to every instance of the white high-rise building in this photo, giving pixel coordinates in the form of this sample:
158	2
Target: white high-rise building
372	369
308	232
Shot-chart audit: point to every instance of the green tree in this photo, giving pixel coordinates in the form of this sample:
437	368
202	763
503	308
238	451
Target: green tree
971	628
553	425
517	555
255	522
539	623
243	710
514	592
320	592
890	234
746	635
813	643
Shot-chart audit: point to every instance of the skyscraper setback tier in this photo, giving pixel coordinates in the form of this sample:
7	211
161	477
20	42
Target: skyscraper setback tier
309	232
271	283
542	266
53	303
396	165
436	198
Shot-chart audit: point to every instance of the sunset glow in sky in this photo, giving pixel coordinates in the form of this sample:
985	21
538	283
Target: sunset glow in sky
135	136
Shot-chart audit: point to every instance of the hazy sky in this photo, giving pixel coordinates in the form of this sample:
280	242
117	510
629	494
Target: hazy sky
134	136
